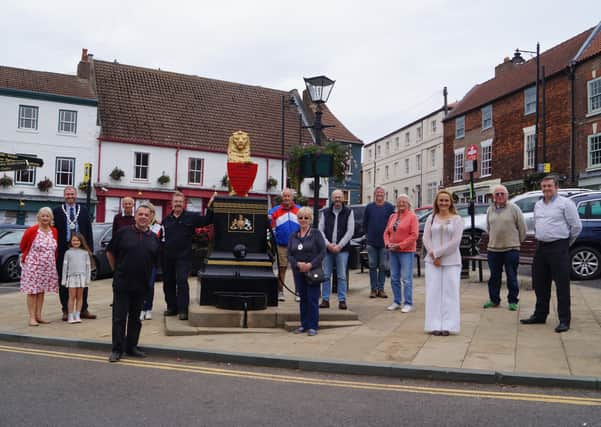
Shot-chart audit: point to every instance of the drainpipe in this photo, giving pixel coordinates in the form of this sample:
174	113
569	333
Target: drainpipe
571	77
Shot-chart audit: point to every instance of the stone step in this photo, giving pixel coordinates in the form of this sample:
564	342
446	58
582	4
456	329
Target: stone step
327	324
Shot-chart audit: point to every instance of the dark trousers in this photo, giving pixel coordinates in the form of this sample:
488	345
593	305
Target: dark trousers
175	284
552	263
510	260
149	298
63	292
126	316
309	301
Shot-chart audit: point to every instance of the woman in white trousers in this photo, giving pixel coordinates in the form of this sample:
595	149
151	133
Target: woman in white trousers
442	236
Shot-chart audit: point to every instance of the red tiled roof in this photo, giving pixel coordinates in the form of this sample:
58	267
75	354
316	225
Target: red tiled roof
145	105
338	132
44	82
520	76
594	45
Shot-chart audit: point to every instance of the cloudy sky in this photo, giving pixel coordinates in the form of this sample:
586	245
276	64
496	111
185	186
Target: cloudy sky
390	59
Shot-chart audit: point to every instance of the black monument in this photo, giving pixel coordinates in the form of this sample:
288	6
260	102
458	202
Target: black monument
238	273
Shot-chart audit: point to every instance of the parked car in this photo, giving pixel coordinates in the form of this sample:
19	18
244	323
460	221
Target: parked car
10	238
585	253
103	232
526	202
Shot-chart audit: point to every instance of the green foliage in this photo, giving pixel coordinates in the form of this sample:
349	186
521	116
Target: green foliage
45	184
117	173
340	156
6	181
163	179
532	181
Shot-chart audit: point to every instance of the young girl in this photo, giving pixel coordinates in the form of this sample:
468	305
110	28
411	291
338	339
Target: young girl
76	274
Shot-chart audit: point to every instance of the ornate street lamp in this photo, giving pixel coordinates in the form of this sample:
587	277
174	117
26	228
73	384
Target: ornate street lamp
319	89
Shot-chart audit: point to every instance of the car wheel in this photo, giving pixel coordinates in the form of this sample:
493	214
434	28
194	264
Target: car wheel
584	262
11	272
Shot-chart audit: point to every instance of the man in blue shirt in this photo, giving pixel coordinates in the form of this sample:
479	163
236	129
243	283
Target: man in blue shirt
374	222
557	225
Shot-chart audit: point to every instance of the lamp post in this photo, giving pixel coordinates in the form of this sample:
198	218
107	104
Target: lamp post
319	89
517	59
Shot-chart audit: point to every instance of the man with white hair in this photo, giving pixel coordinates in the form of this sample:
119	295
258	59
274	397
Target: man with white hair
507	230
337	224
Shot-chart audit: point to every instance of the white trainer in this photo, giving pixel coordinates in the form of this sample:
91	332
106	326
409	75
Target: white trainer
71	318
281	296
142	315
393	306
407	308
148	315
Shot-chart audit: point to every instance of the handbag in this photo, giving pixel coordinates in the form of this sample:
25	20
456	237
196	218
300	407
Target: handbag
315	276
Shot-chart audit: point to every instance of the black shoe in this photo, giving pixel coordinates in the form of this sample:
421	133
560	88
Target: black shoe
115	356
167	313
532	320
183	316
136	352
562	327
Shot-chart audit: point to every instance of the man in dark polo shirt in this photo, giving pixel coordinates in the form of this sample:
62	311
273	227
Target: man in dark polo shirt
179	228
132	253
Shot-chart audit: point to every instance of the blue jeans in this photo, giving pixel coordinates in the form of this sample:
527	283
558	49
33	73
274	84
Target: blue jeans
341	259
401	268
149	299
378	267
510	260
309	302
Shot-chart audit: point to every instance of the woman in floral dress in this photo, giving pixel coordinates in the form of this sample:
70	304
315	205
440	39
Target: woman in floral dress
38	247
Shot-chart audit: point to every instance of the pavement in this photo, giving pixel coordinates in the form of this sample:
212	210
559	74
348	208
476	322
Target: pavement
492	346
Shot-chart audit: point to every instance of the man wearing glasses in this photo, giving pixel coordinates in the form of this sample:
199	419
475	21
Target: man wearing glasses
506	230
337	224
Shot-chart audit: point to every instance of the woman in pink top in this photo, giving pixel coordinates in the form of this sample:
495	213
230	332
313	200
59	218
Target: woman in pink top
442	236
400	236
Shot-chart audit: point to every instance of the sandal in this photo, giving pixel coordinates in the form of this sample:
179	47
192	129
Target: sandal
43	322
33	323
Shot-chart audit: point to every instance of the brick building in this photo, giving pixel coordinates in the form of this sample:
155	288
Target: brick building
499	117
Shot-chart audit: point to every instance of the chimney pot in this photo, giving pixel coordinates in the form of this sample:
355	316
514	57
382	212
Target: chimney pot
84	55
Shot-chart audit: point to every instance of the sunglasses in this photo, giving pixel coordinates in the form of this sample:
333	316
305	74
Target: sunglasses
303	217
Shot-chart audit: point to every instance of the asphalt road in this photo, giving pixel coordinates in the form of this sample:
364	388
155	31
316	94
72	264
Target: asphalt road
46	386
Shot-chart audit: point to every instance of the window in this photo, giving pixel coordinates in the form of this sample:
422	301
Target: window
396	194
386	172
529	144
395	169
418	162
460	127
369	178
28	117
418	192
67	121
594	96
141	165
590	209
397	143
530	100
407	138
195	170
65	169
406	166
594	151
458	165
25	176
487	117
379	151
486	158
433	126
433	157
432	190
369	154
406	191
387	147
419	133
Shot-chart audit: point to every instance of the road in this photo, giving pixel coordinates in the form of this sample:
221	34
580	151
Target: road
50	386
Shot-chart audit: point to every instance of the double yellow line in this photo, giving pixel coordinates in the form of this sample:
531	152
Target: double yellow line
528	397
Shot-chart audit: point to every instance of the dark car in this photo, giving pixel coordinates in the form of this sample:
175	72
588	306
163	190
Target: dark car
585	253
10	238
103	232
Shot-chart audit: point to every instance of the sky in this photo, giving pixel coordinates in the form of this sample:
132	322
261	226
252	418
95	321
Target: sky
390	59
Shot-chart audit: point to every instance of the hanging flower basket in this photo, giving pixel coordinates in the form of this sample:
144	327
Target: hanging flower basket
271	183
45	185
163	179
6	181
330	161
117	174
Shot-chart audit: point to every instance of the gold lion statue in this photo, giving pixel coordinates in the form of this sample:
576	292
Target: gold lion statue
238	148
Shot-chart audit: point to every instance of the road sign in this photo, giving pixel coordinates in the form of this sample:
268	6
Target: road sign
472	152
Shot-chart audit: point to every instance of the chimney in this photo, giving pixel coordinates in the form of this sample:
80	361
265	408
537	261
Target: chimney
83	68
506	65
84	55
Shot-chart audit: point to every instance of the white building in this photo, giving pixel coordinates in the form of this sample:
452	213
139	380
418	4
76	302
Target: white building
406	161
50	116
